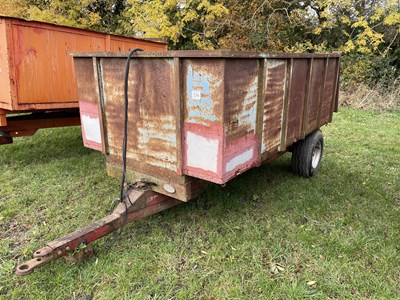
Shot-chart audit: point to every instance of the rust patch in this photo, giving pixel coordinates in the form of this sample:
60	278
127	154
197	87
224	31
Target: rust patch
152	113
186	187
316	89
273	103
296	100
240	107
329	93
85	80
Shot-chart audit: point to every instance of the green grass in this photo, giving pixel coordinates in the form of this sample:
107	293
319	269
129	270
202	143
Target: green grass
267	234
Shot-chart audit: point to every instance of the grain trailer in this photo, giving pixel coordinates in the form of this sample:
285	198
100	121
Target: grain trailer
176	121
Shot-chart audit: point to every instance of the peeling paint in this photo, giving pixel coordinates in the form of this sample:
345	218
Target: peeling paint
200	104
240	159
247	117
164	130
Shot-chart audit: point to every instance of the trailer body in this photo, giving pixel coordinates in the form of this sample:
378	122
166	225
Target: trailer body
37	74
202	116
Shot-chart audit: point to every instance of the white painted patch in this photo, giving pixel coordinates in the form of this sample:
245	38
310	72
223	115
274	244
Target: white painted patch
196	95
91	126
202	152
239	159
273	63
170	61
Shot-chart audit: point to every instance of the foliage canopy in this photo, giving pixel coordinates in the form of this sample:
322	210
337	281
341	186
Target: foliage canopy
367	32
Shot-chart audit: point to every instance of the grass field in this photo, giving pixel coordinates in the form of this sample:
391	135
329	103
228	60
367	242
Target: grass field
267	234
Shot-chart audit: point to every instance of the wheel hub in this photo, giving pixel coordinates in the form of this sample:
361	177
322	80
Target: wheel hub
316	154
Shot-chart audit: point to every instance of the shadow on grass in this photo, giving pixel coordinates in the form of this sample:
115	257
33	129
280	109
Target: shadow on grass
245	191
275	186
45	146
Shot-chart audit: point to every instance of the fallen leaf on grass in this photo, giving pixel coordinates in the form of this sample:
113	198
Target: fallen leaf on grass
311	283
276	268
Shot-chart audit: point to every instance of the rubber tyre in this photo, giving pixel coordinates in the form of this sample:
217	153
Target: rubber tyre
307	154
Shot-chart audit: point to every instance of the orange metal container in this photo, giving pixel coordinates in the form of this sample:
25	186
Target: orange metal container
36	72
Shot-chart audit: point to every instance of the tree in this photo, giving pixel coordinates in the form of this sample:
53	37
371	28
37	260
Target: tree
90	14
187	24
367	32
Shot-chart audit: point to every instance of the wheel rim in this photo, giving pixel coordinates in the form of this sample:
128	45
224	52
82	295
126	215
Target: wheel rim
316	155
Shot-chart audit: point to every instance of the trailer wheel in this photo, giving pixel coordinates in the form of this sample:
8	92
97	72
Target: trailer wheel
307	154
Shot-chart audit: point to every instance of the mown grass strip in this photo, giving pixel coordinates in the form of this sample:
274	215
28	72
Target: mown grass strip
267	234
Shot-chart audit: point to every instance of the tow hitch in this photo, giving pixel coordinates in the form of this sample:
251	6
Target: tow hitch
137	204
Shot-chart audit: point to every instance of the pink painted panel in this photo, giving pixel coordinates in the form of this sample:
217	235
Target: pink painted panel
91	130
240	155
202	151
205	155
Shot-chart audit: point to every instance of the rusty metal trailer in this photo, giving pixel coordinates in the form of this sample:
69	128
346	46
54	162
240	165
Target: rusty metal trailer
37	75
193	117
